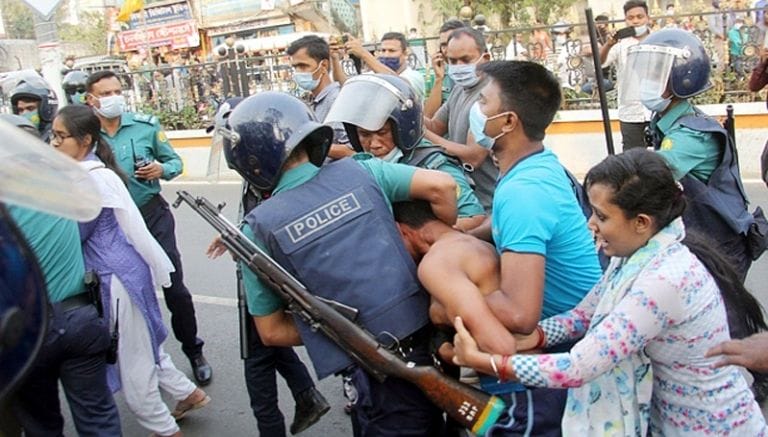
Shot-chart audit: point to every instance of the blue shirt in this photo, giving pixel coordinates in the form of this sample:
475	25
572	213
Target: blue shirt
55	242
395	183
140	136
535	211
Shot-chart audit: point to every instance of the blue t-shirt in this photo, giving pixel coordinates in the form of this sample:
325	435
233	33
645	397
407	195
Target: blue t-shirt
535	211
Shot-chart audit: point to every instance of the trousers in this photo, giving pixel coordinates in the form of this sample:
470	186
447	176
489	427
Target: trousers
73	352
159	220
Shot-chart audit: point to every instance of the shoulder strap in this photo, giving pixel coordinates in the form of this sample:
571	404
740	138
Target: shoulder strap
429	157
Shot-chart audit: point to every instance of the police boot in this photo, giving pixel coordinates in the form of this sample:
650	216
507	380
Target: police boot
310	407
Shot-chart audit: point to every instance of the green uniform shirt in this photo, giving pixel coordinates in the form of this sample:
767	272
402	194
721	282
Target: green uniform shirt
395	183
141	136
686	150
55	242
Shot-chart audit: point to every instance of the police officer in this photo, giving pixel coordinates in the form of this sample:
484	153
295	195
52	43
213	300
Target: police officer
275	143
397	134
667	68
143	152
74	87
262	362
34	99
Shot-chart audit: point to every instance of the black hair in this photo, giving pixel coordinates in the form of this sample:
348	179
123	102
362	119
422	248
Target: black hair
631	4
451	25
81	121
642	183
317	48
529	90
601	17
397	36
415	213
98	76
472	33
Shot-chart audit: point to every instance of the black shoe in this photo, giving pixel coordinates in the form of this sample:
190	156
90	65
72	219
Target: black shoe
202	370
310	407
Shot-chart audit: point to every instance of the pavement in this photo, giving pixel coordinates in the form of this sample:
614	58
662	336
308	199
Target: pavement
212	283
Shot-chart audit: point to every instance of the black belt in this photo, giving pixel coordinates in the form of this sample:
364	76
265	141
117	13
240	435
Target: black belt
74	302
418	338
154	202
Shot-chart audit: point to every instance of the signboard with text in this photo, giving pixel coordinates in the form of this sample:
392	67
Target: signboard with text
177	35
161	14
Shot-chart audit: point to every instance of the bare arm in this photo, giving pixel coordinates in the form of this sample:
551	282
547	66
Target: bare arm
434	127
607	48
338	71
355	47
339	151
470	153
483	231
750	352
439	189
517	304
277	329
449	284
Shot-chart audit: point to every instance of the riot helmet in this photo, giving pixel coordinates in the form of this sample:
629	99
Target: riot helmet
669	58
36	88
263	130
74	87
370	100
217	139
21	123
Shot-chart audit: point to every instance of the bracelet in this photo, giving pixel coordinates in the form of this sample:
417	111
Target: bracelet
493	366
542	338
503	371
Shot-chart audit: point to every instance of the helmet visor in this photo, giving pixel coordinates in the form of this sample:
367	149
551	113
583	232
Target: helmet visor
214	159
647	71
366	101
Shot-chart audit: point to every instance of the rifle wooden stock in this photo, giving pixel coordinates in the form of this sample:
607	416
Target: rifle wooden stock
474	409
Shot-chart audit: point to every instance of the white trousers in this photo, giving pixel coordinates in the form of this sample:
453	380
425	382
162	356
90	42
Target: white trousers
141	378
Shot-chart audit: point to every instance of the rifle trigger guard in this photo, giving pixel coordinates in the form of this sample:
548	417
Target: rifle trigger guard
395	346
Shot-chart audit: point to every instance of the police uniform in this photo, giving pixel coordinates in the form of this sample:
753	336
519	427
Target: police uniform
702	158
319	217
74	348
140	138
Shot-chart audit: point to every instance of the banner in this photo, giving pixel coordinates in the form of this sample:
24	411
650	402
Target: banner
162	14
177	35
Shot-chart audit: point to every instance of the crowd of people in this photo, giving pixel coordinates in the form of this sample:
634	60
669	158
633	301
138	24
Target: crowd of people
617	307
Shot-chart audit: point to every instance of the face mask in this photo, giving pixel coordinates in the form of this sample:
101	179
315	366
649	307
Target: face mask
111	106
560	39
33	117
477	122
306	81
641	30
78	98
464	74
737	26
392	63
654	102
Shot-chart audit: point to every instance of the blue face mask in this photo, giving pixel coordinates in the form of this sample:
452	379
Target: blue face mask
464	74
650	98
477	122
305	80
78	98
392	63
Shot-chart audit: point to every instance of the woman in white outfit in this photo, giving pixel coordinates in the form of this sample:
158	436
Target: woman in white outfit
130	265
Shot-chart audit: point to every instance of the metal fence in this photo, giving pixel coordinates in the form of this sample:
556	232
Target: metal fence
187	96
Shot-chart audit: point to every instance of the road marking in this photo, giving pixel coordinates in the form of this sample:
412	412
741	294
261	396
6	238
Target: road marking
212	300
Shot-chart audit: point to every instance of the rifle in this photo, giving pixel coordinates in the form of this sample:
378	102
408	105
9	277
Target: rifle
472	408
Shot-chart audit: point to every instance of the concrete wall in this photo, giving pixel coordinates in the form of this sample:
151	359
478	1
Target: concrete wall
576	137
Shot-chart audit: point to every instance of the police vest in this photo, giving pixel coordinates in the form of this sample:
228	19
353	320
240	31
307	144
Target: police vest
335	233
718	207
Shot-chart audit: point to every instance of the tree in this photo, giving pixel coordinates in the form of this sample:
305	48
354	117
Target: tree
17	19
92	31
510	11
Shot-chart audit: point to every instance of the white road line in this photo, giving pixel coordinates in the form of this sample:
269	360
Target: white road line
212	300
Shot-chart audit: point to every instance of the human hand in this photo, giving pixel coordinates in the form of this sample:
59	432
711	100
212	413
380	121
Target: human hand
216	248
465	347
149	172
750	352
438	65
354	46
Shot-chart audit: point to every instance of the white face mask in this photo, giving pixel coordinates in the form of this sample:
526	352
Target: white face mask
641	30
111	106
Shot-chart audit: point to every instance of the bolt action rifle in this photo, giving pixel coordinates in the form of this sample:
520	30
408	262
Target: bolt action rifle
472	408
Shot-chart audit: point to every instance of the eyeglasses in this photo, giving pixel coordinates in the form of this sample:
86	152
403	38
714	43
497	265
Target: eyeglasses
59	137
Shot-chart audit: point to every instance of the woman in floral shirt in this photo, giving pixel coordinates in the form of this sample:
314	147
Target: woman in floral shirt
639	367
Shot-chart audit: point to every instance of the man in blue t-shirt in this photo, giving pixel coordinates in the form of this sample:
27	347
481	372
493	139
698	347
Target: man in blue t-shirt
548	257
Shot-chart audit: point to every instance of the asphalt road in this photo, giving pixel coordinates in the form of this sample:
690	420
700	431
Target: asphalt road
213	286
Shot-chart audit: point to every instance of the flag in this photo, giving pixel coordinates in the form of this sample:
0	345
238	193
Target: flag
129	7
